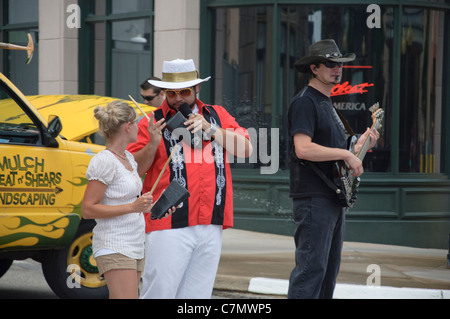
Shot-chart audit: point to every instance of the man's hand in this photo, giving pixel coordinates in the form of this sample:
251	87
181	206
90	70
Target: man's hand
354	164
197	122
374	136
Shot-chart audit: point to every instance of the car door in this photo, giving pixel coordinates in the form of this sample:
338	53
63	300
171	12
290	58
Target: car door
35	189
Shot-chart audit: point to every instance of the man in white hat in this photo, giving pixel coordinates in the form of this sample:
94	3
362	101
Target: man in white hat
183	250
319	138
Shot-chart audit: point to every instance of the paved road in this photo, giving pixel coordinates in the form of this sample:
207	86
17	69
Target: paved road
246	255
272	256
24	280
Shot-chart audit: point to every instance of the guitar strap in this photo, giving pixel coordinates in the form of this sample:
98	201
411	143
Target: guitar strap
346	125
322	176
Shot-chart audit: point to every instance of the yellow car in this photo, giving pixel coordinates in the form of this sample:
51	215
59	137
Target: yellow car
42	181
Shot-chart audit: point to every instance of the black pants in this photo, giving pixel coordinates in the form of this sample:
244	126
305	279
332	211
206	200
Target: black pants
318	240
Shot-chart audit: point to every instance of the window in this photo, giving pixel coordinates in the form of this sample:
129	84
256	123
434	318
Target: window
421	83
367	79
121	40
120	6
131	59
243	67
19	19
16	127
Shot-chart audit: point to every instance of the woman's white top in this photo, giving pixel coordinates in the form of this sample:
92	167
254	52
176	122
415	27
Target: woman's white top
124	234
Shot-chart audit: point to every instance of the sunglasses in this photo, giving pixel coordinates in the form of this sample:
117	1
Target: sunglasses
332	64
149	97
183	93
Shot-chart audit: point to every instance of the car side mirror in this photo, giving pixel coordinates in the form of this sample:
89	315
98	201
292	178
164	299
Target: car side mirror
53	130
54	126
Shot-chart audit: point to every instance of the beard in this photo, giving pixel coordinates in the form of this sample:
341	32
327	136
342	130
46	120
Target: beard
175	106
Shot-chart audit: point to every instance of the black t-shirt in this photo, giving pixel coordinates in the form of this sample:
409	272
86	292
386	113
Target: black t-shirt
313	114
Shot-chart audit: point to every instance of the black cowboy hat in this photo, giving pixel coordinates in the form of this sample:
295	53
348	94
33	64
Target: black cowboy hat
322	50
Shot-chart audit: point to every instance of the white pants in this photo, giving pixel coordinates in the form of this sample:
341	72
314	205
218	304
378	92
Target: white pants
181	263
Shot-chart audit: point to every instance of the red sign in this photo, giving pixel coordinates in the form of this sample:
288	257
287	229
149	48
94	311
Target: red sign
345	88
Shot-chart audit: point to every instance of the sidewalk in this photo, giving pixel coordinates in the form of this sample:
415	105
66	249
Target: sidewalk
261	263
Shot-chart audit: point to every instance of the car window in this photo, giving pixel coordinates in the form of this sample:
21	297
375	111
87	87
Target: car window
16	127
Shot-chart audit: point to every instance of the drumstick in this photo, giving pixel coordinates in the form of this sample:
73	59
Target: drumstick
164	168
142	111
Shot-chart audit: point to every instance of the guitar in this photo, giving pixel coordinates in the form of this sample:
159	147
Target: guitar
346	183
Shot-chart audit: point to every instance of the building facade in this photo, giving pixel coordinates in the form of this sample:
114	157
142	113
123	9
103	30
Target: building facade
109	47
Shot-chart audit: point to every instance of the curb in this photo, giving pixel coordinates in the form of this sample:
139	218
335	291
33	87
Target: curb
270	286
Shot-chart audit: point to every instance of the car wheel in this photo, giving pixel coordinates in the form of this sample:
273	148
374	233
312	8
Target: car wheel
72	272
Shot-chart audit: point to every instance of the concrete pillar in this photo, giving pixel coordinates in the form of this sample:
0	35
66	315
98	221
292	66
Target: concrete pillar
58	49
177	32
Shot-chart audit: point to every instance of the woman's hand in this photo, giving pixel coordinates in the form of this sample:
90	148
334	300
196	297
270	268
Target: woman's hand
144	203
154	128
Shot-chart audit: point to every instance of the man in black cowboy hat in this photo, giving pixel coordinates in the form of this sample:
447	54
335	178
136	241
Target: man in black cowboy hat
318	136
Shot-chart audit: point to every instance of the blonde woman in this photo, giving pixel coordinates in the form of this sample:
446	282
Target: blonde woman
113	198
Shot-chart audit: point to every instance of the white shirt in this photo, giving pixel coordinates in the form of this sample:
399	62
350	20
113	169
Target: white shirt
124	234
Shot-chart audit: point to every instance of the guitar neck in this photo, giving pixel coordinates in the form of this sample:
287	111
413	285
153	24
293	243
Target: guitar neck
377	116
365	147
362	152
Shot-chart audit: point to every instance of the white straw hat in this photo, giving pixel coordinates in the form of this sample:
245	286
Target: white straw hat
178	74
